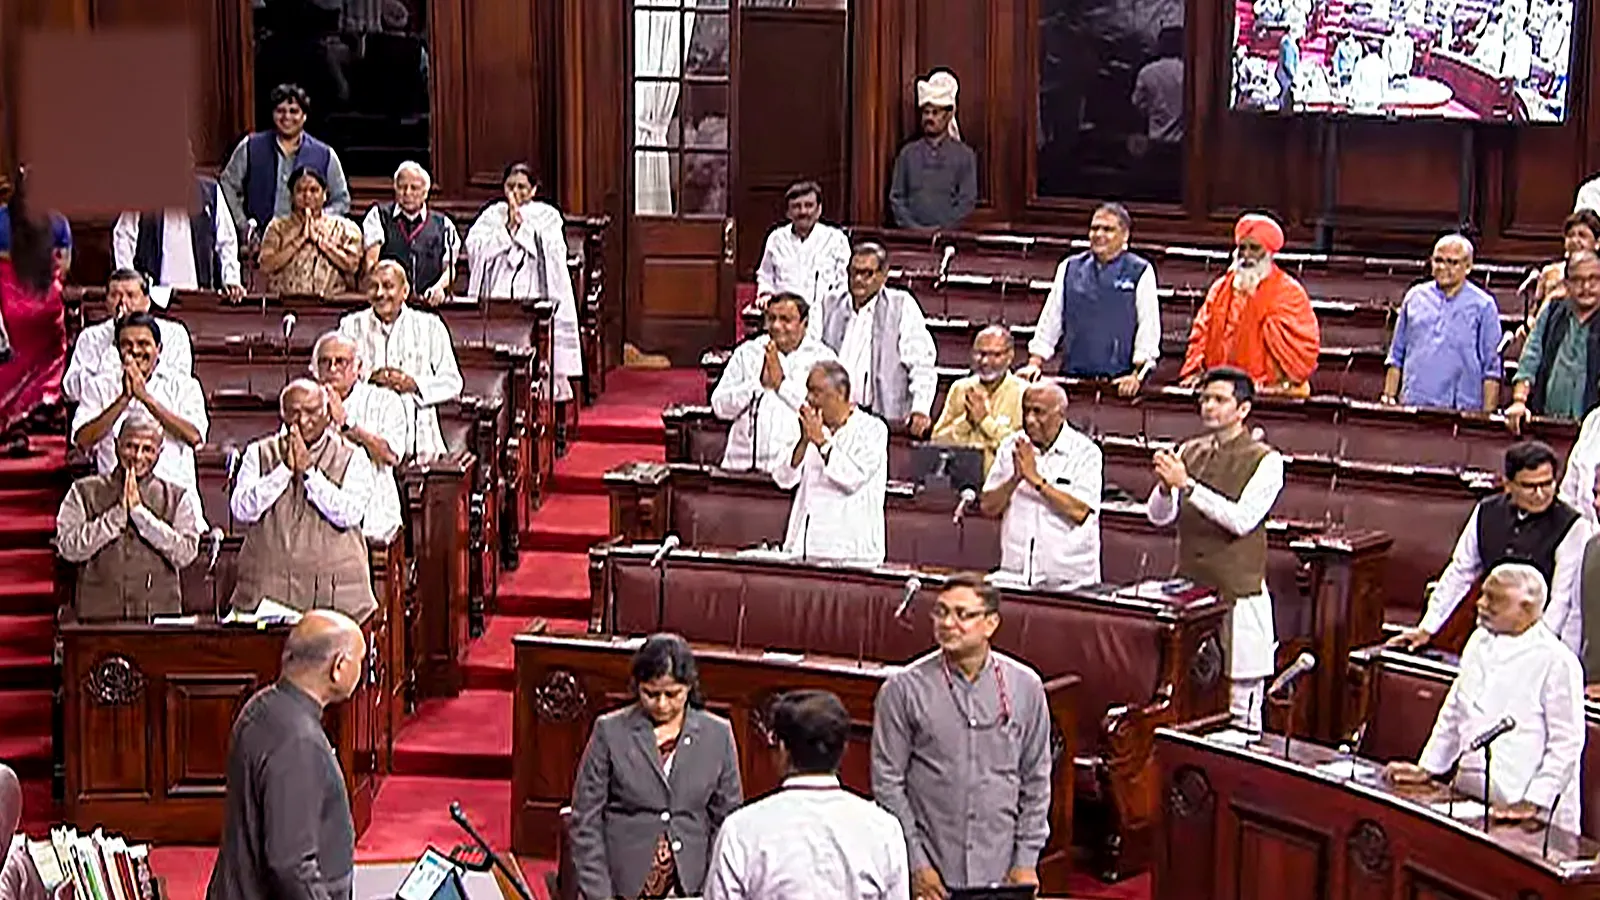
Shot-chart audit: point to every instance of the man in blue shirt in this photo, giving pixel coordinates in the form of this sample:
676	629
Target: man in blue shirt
1446	348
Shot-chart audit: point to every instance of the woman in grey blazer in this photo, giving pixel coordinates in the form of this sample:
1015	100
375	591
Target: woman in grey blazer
655	783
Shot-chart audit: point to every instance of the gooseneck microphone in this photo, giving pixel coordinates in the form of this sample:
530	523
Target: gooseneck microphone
913	585
671	543
1494	733
215	537
1302	665
461	820
968	497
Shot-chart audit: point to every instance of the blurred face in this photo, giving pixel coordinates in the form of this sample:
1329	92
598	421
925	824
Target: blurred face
1042	415
1533	490
289	119
410	192
309	195
1107	237
804	211
336	366
519	189
125	296
137	449
991	356
825	400
866	278
1578	237
307	409
1250	252
936	119
347	669
785	326
960	624
1583	283
663	698
1451	263
1501	610
138	346
388	295
1219	410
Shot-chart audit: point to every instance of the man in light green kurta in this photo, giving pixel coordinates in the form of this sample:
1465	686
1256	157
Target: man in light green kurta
1560	365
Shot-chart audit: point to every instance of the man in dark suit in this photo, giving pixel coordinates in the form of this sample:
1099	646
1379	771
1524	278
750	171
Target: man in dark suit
287	830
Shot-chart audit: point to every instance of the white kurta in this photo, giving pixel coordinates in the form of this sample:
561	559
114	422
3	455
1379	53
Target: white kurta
813	266
1563	612
378	411
773	421
180	394
530	263
837	512
1577	484
95	354
177	246
1533	678
1037	543
417	343
918	353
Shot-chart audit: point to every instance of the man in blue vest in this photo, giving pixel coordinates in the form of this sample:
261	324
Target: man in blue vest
1102	318
186	248
424	242
255	181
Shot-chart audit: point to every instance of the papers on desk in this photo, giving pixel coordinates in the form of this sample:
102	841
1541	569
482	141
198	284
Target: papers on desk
779	656
1349	769
1460	810
766	553
1233	737
175	620
268	612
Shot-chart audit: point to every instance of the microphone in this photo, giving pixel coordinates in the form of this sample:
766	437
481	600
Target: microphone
671	543
1302	665
943	273
211	569
738	634
1529	282
289	320
1029	576
1505	725
1483	742
913	585
805	537
968	495
461	820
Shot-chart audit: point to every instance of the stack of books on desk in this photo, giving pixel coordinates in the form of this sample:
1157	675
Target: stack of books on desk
100	866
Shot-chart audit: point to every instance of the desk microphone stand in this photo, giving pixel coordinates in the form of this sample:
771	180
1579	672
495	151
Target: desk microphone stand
1288	726
1488	766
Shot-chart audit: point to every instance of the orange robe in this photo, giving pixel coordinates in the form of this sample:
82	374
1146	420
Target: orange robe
1272	334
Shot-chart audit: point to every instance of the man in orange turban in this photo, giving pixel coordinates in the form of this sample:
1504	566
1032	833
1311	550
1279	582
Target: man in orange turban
1256	317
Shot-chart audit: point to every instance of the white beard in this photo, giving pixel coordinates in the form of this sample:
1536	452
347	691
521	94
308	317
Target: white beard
1248	277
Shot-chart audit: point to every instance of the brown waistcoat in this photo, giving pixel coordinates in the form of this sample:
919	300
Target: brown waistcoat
128	578
295	555
1209	554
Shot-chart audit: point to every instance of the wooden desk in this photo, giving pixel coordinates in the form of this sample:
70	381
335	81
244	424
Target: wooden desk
563	684
1247	823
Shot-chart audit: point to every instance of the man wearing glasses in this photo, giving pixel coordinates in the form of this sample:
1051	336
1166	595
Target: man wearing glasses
1559	372
1446	347
984	408
961	752
1527	524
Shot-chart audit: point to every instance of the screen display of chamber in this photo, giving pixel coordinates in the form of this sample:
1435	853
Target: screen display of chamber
1472	60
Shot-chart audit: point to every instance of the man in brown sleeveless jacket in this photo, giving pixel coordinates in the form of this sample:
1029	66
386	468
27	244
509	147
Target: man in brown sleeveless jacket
303	493
129	531
1219	488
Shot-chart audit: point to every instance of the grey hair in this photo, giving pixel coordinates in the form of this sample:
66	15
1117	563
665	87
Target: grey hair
414	168
836	376
300	384
1458	240
138	421
1527	581
338	337
1052	388
875	250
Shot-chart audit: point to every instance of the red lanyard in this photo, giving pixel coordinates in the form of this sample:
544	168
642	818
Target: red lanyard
999	686
406	229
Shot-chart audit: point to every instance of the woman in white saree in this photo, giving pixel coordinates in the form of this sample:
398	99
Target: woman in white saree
517	248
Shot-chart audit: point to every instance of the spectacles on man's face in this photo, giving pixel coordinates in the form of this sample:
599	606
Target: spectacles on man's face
962	615
1449	261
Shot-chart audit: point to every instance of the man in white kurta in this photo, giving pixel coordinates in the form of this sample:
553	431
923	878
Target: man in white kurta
95	352
764	385
1513	666
521	252
409	352
370	417
1046	478
1577	483
839	471
807	256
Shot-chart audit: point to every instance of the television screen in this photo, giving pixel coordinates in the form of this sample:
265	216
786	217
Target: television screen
1473	60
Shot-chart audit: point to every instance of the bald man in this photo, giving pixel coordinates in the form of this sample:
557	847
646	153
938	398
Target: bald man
19	879
287	829
1446	347
303	494
984	408
1046	480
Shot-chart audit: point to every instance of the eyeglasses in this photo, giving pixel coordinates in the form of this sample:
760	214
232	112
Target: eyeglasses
1446	261
940	612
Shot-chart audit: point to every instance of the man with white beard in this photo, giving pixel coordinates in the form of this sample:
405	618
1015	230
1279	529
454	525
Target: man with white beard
1256	317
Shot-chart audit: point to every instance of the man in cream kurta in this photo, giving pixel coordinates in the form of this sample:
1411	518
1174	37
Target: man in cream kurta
1513	665
764	385
839	469
410	353
370	417
807	256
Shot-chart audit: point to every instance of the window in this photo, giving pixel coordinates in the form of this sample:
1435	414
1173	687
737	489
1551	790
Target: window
681	103
1111	99
364	64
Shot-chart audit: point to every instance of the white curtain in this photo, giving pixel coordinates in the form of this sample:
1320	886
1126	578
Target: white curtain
657	51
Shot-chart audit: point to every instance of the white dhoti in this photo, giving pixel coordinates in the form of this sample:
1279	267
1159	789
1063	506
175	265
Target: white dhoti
1255	647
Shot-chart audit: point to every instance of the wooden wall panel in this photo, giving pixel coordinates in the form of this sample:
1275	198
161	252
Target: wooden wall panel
1407	170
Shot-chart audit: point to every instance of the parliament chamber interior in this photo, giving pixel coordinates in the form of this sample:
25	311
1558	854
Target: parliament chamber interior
1233	344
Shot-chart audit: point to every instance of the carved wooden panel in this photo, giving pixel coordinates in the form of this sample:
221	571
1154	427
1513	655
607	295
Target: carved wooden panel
1285	859
200	710
117	718
1417	883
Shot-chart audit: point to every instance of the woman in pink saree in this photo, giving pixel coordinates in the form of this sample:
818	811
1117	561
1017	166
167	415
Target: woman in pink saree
34	255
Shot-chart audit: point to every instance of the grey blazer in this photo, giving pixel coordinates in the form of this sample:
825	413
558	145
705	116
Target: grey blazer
622	801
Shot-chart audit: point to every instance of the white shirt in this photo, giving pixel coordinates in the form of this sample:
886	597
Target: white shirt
1036	542
813	266
917	351
343	505
417	343
372	236
1533	678
1255	638
180	394
1564	610
1147	318
373	409
95	354
1588	195
1577	484
177	246
1158	92
812	839
775	420
1369	83
838	507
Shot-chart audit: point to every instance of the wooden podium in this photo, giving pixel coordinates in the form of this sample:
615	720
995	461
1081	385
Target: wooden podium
1244	821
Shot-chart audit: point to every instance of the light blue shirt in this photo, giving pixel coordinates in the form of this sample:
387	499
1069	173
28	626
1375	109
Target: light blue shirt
1446	347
